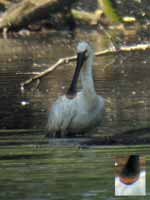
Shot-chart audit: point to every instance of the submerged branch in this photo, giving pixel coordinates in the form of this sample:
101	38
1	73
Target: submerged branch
61	61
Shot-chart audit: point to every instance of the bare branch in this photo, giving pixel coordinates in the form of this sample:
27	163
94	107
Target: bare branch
139	47
51	68
61	61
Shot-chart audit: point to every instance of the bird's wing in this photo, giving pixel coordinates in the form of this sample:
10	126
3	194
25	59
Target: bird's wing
60	115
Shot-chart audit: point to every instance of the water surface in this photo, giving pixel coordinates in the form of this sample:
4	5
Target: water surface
44	171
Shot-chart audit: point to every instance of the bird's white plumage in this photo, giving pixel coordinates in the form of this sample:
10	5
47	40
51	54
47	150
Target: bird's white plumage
135	189
85	110
82	46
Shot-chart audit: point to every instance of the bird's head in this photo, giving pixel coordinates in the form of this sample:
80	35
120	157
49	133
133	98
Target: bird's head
83	50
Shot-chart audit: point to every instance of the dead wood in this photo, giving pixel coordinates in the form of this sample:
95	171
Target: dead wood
139	47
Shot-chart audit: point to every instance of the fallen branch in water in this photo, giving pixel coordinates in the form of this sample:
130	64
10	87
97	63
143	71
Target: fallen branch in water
51	68
138	47
73	58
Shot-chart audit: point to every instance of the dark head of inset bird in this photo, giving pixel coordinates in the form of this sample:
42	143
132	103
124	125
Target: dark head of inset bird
83	52
131	170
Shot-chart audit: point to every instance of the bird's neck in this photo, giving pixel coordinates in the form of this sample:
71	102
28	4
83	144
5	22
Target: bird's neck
87	81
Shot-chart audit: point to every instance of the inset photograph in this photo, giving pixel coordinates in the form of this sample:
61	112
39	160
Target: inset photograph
130	175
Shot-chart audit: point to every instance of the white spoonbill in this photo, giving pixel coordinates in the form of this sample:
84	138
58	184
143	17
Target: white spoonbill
77	112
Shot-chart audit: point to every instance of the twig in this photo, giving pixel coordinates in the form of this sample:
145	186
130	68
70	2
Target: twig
73	58
43	73
108	36
138	47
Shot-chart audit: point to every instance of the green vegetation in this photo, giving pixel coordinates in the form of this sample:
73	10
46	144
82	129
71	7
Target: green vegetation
110	11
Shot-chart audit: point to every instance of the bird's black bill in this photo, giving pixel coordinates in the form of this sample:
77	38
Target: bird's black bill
72	89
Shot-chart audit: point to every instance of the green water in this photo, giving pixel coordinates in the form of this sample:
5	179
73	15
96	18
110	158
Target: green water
41	171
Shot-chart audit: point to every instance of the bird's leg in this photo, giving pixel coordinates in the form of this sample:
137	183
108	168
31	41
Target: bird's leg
54	135
63	134
71	135
51	135
59	134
